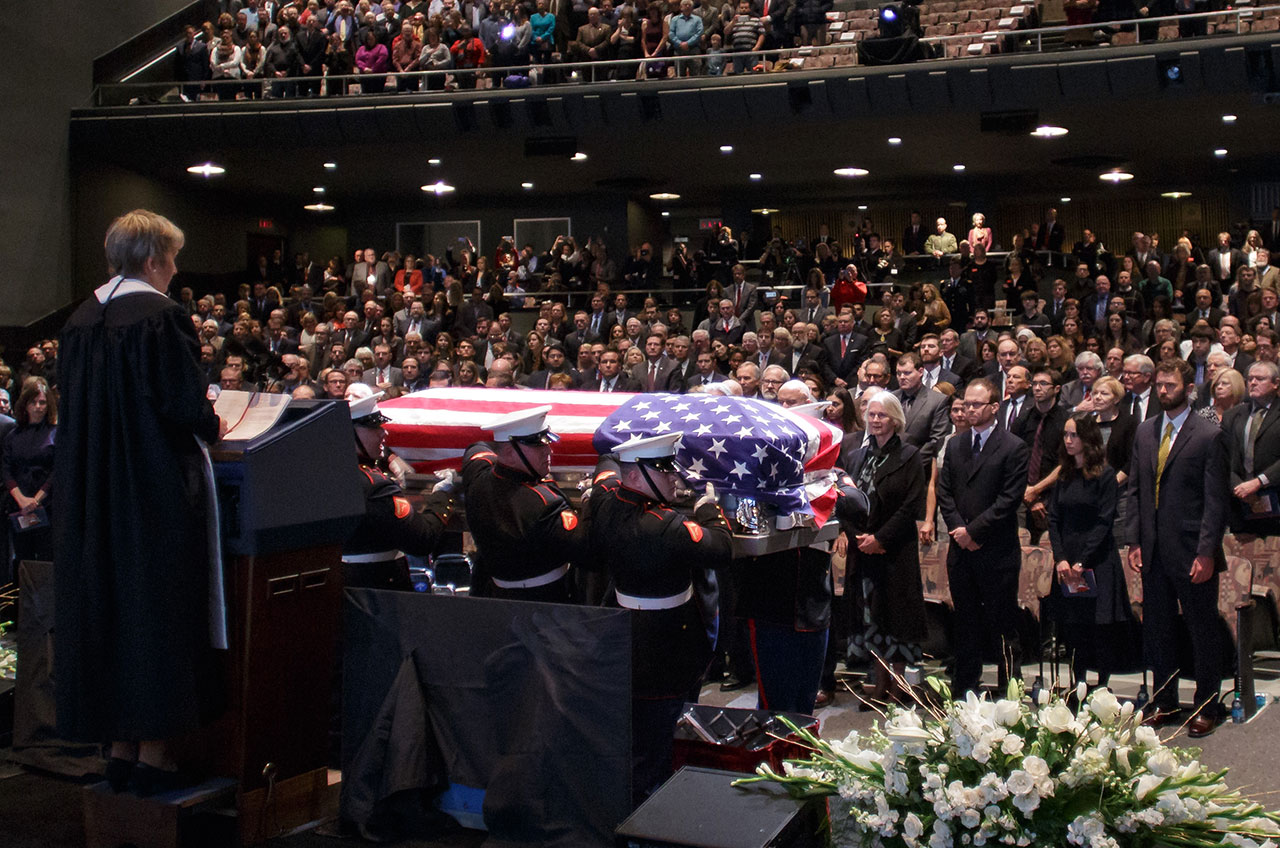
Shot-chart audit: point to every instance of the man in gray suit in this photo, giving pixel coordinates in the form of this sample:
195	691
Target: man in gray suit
927	411
1177	515
371	271
383	373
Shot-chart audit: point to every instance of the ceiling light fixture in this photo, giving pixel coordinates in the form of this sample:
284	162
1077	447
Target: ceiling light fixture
1115	177
1064	200
207	169
764	210
1047	131
664	195
1220	152
579	157
433	161
851	172
666	214
957	167
893	139
331	166
438	188
318	207
755	177
526	186
726	148
1228	119
862	208
318	189
1175	195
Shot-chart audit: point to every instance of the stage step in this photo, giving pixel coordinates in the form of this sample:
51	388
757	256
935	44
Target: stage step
113	819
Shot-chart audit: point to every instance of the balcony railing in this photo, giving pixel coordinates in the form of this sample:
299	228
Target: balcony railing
1004	39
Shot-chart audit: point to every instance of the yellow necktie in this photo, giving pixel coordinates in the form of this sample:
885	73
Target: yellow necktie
1162	456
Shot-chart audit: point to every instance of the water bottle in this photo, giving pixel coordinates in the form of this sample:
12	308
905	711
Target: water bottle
1143	697
1237	709
1260	699
1035	689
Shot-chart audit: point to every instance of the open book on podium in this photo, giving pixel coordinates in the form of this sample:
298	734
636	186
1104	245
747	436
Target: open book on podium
249	414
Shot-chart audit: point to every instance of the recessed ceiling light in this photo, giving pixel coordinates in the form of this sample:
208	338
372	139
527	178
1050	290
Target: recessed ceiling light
756	177
893	139
851	172
579	157
330	166
1228	119
666	214
526	186
207	169
764	210
862	208
664	195
957	167
433	161
1064	200
318	207
318	189
438	188
726	148
1175	195
1220	152
1047	131
1114	177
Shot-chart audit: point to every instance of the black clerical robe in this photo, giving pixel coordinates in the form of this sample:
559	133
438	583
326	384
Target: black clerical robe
132	644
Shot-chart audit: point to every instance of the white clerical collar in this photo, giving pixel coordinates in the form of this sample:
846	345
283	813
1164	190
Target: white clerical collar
118	286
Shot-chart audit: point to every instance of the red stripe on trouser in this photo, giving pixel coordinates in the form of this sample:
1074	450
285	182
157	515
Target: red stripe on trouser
755	658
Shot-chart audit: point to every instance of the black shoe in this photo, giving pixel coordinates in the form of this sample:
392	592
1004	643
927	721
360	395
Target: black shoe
1202	725
118	773
1161	717
149	780
733	684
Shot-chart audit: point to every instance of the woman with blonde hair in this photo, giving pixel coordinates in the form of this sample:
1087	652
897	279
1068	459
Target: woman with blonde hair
980	234
1226	390
935	317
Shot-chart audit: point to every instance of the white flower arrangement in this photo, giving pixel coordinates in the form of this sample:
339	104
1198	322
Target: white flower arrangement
1013	772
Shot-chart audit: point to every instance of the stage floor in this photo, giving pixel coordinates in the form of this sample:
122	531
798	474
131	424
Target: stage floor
40	811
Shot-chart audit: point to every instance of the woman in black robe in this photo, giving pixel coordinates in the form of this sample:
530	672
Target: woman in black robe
1096	622
134	642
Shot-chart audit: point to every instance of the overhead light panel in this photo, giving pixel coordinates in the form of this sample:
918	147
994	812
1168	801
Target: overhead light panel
755	177
207	169
893	139
957	167
526	186
1064	200
579	157
1115	177
1228	119
438	188
666	214
318	189
764	210
1175	195
1220	152
726	148
664	195
851	172
433	161
318	207
331	166
1047	131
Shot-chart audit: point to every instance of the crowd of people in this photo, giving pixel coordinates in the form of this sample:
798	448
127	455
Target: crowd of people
309	47
1129	401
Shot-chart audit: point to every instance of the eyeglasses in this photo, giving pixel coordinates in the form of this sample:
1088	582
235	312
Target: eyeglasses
974	404
772	382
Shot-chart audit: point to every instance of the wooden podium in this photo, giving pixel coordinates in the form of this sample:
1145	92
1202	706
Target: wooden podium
289	499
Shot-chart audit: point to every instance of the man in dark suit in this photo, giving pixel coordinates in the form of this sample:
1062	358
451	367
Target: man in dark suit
952	360
931	363
1229	338
580	334
743	295
1205	310
914	235
654	374
1270	230
1056	306
813	311
927	411
1253	439
726	326
383	373
1040	426
1139	399
1224	260
598	320
845	349
705	372
1017	387
979	490
958	295
1093	309
683	364
609	376
1177	515
553	356
785	354
1051	234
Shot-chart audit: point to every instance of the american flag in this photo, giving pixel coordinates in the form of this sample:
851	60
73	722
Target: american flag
744	446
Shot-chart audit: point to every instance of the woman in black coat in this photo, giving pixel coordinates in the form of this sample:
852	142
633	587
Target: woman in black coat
884	564
1089	602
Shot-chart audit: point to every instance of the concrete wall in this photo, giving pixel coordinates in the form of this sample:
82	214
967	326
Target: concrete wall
35	185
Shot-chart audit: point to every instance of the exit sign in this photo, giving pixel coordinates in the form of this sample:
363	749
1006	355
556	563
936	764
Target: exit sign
266	224
709	223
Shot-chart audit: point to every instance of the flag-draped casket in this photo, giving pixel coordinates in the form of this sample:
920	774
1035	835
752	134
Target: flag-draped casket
745	447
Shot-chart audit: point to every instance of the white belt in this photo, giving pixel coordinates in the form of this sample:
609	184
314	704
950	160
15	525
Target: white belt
541	580
669	602
380	556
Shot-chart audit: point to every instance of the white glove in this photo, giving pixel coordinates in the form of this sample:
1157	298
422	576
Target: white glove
448	480
708	498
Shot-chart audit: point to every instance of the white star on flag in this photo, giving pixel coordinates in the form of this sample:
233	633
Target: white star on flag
622	426
664	427
761	452
696	468
744	431
739	470
702	430
692	416
717	447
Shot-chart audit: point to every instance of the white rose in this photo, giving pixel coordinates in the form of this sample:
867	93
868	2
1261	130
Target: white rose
1007	713
1012	745
1056	718
1146	783
1145	737
970	818
1036	767
1027	803
1020	782
912	827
